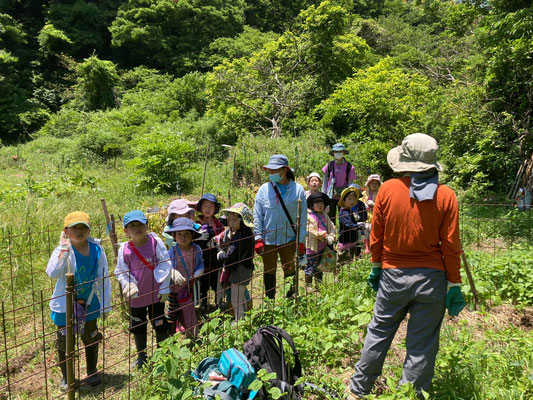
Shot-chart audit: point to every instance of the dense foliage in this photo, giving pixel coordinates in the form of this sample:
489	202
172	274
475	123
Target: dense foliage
367	73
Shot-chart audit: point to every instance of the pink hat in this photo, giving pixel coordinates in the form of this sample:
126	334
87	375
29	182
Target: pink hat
180	207
373	177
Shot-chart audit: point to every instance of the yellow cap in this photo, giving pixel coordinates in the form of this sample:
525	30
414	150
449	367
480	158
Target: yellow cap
76	217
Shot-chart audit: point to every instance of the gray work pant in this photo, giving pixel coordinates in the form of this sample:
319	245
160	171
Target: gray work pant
420	292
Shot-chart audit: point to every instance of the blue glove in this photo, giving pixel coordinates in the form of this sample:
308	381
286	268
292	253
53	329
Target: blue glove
455	301
373	278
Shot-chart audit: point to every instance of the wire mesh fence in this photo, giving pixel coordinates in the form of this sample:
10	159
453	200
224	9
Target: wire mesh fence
30	354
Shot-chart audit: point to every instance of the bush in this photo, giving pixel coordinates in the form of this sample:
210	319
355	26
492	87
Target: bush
163	157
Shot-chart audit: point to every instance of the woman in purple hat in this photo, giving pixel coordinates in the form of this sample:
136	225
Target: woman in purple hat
275	216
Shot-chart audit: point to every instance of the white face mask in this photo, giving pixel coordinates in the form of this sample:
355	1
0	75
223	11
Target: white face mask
339	155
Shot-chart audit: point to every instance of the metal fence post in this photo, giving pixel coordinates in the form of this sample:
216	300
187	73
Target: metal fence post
297	245
70	335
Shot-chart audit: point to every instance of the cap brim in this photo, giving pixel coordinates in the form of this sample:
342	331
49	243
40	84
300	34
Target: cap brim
346	152
79	223
141	220
195	234
272	166
399	163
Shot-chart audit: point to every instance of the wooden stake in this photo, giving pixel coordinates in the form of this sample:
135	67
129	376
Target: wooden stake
470	279
113	237
205	168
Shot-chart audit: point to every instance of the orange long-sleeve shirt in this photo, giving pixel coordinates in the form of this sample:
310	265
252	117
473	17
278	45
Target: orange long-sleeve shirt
408	234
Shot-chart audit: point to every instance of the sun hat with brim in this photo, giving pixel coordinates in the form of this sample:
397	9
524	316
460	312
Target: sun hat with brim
75	218
180	207
135	215
313	175
352	188
183	224
208	197
338	147
244	211
373	177
417	153
314	197
277	161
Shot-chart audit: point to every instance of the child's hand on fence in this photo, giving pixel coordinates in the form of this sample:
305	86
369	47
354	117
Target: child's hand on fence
220	255
130	290
176	277
370	204
331	239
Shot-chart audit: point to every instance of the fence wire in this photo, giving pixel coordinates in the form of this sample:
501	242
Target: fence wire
29	358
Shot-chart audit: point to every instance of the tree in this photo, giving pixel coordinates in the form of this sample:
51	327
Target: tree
85	23
290	75
170	35
13	95
382	102
97	84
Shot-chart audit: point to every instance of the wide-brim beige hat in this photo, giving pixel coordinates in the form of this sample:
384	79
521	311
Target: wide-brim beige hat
417	153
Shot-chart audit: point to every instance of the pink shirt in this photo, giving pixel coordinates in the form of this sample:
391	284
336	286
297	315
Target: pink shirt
340	174
147	285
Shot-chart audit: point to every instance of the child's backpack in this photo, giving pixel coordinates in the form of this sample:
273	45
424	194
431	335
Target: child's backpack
236	373
265	351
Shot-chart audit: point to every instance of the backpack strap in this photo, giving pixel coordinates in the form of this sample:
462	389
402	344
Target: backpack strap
278	194
280	333
348	169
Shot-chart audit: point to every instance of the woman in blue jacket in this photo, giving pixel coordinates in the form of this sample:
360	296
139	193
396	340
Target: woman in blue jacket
273	232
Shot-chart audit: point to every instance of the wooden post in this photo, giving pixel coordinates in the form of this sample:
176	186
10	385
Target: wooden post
205	168
296	255
70	335
470	279
113	237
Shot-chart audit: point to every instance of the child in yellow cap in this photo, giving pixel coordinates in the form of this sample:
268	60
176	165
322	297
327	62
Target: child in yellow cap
83	256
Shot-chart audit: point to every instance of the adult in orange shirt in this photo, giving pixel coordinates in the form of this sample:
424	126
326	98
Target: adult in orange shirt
416	259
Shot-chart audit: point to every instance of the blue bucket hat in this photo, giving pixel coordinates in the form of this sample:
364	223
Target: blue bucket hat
135	215
183	224
209	197
277	161
338	147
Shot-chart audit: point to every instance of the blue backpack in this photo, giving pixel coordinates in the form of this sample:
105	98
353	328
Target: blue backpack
237	370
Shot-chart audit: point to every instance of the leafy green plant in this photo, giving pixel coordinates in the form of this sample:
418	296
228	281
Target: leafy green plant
162	160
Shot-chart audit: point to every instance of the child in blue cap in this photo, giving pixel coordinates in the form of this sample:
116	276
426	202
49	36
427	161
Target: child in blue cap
208	206
143	270
187	266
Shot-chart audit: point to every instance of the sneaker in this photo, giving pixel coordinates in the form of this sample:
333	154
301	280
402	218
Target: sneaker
353	396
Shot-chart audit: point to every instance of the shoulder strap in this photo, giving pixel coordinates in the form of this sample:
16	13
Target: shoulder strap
348	169
139	255
331	168
280	333
278	194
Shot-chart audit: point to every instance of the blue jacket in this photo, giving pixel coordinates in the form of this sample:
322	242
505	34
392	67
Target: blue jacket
270	222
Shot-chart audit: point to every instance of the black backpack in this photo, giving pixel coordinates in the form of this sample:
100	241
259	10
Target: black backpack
265	351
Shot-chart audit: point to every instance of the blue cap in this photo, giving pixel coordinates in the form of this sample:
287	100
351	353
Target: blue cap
209	197
277	161
338	147
183	224
135	215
